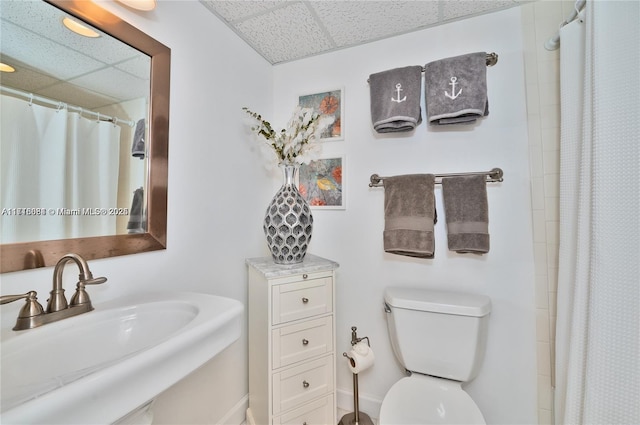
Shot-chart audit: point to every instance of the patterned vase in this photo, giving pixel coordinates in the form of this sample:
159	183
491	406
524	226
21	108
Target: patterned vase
288	221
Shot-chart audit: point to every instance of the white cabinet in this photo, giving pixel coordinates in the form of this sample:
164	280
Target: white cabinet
292	342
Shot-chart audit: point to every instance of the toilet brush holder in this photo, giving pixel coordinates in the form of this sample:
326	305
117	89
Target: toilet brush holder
356	417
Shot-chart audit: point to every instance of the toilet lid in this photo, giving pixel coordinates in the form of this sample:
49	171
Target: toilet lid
420	399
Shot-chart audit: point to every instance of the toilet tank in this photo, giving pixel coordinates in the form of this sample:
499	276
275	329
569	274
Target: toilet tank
438	333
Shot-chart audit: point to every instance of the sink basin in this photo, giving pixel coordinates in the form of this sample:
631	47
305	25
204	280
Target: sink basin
97	367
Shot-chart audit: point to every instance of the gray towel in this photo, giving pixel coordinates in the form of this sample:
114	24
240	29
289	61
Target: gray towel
409	211
467	213
137	147
137	221
395	99
456	89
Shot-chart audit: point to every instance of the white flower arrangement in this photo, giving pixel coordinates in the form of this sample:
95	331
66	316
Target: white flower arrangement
295	144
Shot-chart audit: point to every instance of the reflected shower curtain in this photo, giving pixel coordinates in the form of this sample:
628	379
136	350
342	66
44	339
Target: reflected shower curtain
598	315
60	164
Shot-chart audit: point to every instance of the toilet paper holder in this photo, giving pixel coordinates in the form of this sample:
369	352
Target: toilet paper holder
355	339
357	417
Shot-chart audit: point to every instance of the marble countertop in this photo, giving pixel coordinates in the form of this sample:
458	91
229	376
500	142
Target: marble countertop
310	264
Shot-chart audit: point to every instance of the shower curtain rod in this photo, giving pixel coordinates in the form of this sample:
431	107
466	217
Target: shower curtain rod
495	175
554	42
62	105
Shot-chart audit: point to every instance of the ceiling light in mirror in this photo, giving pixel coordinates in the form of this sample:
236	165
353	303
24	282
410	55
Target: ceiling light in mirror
6	68
79	28
145	5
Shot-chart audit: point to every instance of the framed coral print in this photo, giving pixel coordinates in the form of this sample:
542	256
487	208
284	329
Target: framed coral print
321	183
327	103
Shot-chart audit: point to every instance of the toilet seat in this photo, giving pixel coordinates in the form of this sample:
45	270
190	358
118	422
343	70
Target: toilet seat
421	399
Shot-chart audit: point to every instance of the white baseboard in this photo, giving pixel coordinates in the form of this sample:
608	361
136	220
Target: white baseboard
237	414
368	404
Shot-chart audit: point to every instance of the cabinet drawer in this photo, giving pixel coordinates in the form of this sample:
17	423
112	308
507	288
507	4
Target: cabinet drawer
302	341
303	383
318	412
298	300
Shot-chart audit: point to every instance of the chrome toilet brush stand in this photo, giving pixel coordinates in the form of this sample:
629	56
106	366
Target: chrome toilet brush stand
356	417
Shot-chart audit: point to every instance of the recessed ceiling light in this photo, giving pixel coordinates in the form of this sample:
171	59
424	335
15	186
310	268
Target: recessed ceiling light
145	5
6	68
79	28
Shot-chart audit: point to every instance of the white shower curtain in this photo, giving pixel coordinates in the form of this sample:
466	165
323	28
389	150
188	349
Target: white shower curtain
55	165
598	312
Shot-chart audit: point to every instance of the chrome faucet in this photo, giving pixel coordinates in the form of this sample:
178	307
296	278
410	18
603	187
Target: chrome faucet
32	314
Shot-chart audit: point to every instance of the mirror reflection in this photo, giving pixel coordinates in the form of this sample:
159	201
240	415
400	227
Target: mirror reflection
74	128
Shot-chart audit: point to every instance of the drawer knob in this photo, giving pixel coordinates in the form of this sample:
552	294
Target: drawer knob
305	341
304	276
305	300
305	384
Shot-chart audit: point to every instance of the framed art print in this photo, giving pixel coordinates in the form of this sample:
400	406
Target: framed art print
327	103
321	183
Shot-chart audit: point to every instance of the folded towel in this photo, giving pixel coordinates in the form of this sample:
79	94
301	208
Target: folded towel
456	89
395	99
137	147
137	221
467	213
409	211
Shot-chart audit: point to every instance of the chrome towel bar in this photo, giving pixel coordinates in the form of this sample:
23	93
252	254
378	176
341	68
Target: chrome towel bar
495	175
492	59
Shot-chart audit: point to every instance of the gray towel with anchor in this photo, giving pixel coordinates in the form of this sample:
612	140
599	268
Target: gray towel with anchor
456	89
395	99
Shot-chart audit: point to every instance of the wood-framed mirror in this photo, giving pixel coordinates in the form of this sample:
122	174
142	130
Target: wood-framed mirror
41	253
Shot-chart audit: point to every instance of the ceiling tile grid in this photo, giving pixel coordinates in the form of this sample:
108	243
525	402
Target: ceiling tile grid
36	50
128	87
287	30
286	33
36	43
27	79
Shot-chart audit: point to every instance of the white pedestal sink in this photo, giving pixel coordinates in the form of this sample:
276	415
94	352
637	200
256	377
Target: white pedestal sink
97	367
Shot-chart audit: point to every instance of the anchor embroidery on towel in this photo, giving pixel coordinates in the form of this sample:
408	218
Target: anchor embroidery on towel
453	94
398	90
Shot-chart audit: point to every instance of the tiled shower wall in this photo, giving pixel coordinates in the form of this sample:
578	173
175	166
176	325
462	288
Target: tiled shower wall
541	20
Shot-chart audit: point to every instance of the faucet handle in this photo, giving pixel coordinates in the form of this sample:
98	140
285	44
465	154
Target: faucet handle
81	296
31	308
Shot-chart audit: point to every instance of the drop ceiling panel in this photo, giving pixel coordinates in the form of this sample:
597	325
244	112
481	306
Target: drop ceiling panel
234	11
285	33
138	67
37	51
26	79
127	88
287	30
46	55
350	23
36	17
68	93
461	8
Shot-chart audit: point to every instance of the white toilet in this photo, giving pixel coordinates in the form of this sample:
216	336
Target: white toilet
439	337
